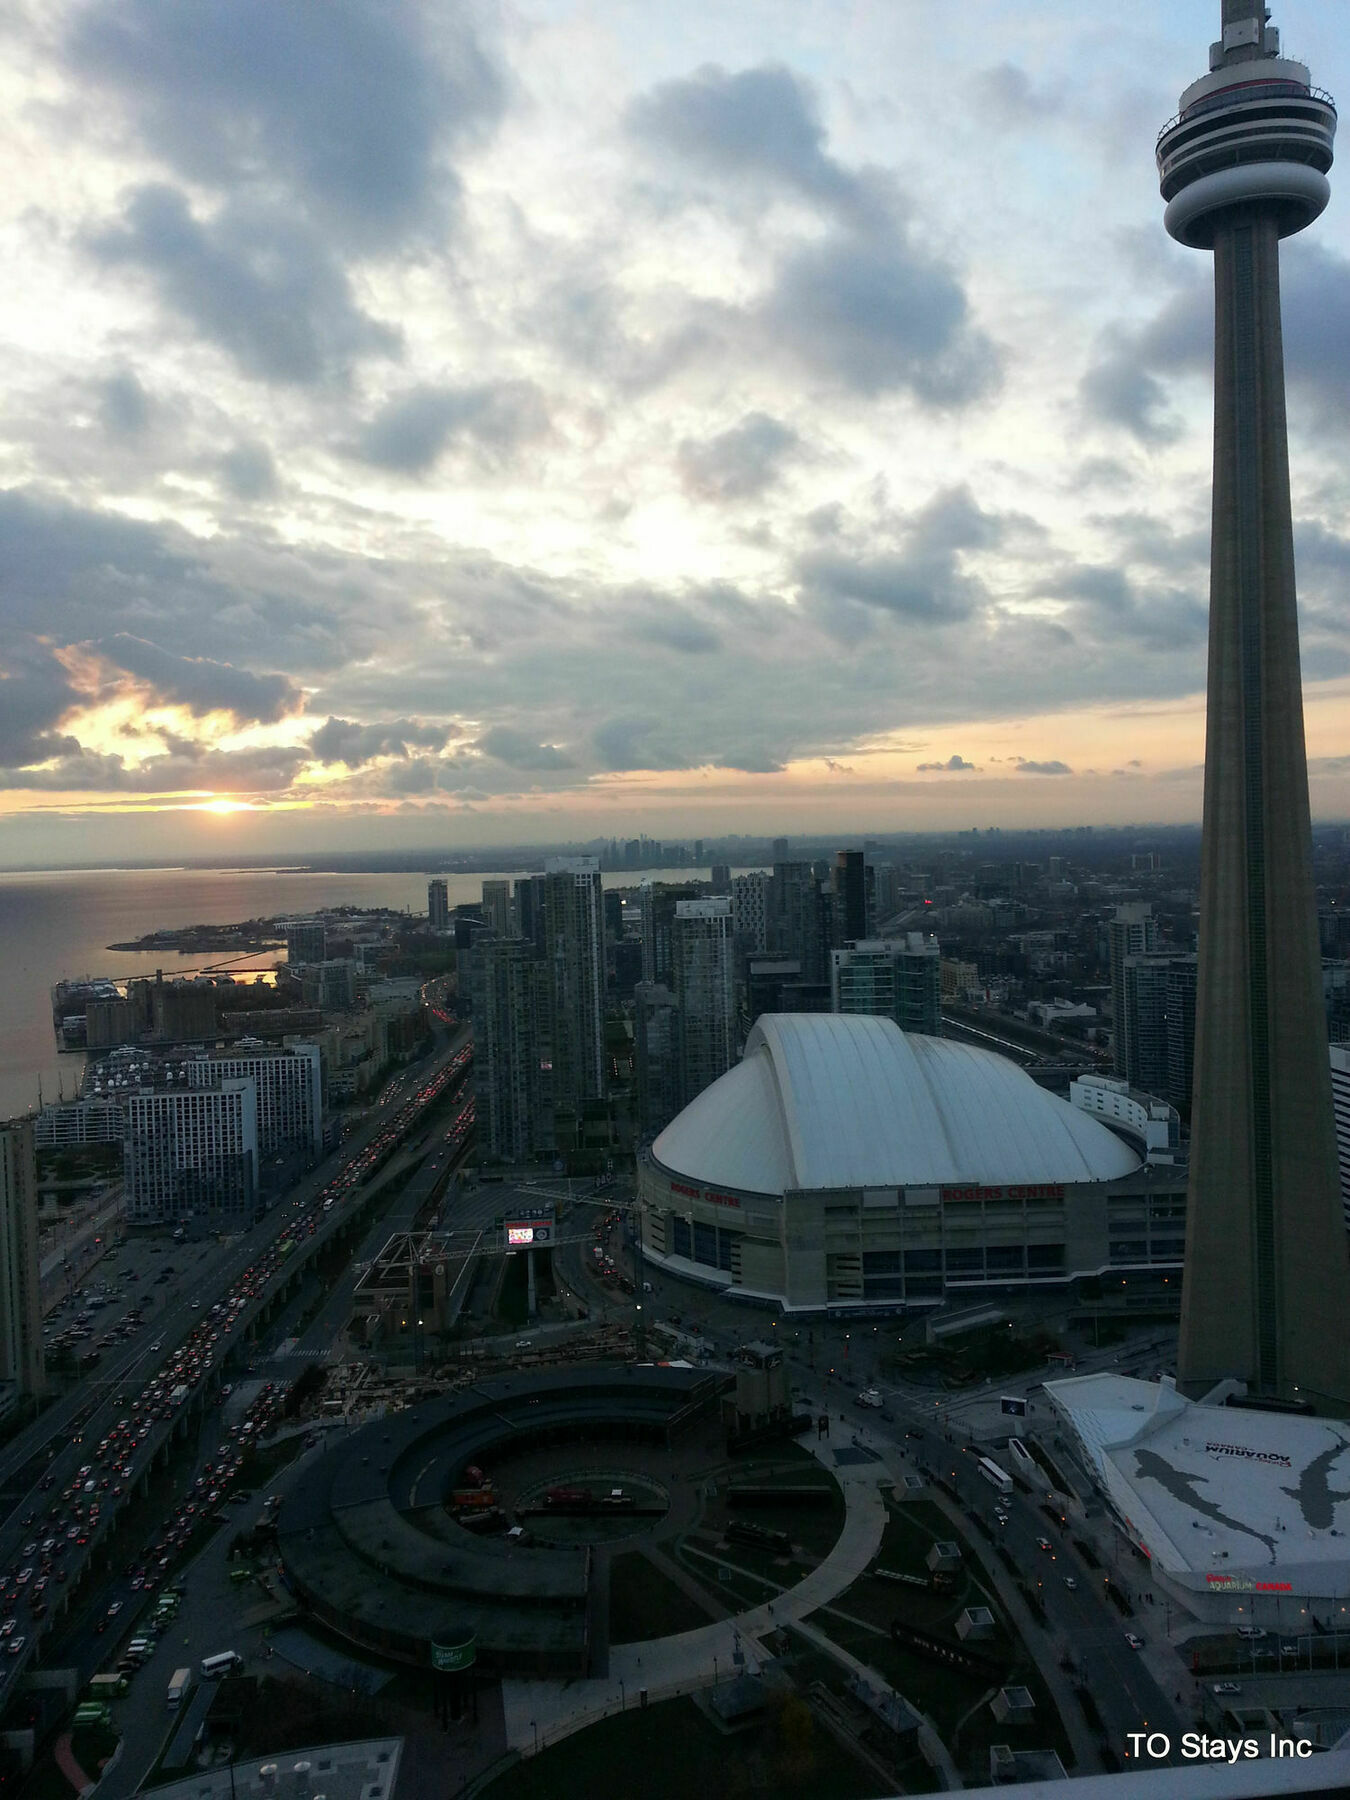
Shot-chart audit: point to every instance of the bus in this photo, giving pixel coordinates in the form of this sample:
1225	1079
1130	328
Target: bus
996	1477
224	1663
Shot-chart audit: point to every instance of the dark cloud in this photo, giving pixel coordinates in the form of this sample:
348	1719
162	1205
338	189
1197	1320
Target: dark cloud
248	472
626	743
1319	549
260	285
719	741
1026	767
923	580
62	567
76	574
762	124
1118	390
36	693
1006	96
239	772
750	761
345	741
1144	538
674	628
1315	301
862	307
348	107
740	463
123	406
521	752
1126	385
1182	334
1113	605
203	686
889	582
593	321
875	314
412	430
953	763
420	775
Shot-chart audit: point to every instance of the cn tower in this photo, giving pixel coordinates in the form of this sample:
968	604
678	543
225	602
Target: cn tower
1266	1296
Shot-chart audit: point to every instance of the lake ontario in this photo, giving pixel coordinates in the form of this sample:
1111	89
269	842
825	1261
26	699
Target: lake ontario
57	926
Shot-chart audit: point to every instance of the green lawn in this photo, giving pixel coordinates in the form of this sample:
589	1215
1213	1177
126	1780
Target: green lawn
672	1751
645	1603
762	1573
946	1695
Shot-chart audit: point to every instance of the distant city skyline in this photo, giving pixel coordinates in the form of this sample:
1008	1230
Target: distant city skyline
791	419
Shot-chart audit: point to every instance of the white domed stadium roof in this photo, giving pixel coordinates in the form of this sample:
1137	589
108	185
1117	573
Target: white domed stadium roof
844	1100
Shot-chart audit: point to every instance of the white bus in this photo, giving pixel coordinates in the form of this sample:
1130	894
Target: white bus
996	1477
223	1664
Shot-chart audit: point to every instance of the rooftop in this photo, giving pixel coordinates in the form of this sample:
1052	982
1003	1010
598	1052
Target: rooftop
1232	1497
365	1770
846	1100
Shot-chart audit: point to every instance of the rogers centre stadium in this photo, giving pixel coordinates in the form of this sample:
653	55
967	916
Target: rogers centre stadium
846	1164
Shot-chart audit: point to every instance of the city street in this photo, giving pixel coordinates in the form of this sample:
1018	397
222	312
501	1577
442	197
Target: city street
831	1362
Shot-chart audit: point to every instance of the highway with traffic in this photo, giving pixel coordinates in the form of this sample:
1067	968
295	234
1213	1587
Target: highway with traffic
69	1475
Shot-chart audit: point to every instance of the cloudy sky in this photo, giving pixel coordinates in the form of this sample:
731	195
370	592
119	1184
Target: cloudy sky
533	419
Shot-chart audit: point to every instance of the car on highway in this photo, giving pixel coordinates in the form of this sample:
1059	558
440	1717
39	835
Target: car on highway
1043	1543
1220	1687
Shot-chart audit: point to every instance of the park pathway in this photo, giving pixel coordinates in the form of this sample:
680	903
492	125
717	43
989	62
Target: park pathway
541	1712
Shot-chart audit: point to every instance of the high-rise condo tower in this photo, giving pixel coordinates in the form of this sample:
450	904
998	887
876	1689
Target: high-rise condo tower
1267	1287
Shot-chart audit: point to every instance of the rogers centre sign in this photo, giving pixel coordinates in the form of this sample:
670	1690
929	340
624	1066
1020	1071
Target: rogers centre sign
1241	1450
713	1199
1044	1191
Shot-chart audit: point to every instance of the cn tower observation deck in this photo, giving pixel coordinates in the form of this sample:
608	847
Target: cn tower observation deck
1254	130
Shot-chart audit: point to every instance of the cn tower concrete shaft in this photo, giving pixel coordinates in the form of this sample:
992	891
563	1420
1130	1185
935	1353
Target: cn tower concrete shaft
1266	1295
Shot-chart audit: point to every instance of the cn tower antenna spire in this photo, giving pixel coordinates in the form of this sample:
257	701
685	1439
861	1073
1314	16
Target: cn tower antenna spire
1266	1293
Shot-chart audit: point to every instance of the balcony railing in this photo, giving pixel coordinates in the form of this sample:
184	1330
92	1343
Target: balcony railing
1247	93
